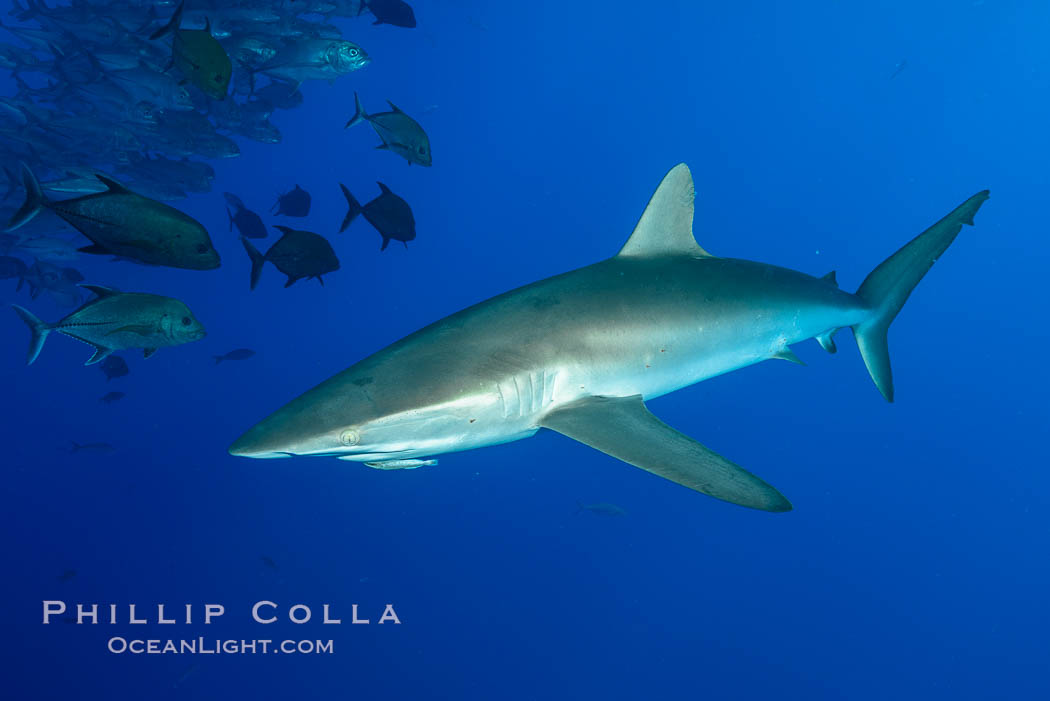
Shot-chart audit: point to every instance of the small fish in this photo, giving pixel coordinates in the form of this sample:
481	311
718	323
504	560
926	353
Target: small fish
11	267
601	509
401	464
114	366
239	354
110	397
388	213
297	254
248	223
115	321
397	13
67	575
90	447
295	203
198	55
400	133
268	562
59	283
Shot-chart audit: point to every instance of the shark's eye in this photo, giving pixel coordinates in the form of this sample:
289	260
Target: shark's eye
186	321
350	437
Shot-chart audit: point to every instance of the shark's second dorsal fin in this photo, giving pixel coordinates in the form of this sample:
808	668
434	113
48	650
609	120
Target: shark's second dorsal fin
666	226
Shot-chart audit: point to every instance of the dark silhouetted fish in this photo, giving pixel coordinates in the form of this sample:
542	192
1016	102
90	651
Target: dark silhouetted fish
280	95
59	283
388	213
394	12
601	509
11	267
114	366
127	225
268	562
248	222
90	447
198	55
239	354
297	254
110	397
400	133
118	320
295	203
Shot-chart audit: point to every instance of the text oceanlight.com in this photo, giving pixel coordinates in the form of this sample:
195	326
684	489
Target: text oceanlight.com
201	646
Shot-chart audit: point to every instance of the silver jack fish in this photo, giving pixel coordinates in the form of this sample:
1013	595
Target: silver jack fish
581	352
117	320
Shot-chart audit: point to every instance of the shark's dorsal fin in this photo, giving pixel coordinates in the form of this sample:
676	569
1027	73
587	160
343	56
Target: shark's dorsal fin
666	226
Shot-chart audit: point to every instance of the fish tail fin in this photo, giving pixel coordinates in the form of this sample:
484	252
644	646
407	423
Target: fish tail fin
257	261
230	215
173	24
35	200
38	328
359	113
353	208
74	446
887	288
12	182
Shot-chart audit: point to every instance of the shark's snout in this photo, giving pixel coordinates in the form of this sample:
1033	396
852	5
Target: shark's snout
257	442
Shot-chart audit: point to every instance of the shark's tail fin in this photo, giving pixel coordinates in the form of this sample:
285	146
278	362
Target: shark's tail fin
353	208
887	288
257	261
38	328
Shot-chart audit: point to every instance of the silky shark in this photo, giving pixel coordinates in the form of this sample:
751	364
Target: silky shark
581	352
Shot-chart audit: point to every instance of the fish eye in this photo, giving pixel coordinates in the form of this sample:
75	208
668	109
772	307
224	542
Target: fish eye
350	437
186	321
354	53
422	149
201	248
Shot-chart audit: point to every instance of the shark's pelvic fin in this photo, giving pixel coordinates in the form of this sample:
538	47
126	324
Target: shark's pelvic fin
787	354
827	341
887	288
666	226
624	428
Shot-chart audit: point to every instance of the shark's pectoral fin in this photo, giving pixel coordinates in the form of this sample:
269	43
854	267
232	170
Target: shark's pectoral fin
624	428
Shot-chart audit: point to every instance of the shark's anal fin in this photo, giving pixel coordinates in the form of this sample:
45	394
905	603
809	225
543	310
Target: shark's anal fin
666	226
624	428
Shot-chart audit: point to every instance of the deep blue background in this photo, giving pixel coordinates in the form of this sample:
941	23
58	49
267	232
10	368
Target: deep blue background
915	562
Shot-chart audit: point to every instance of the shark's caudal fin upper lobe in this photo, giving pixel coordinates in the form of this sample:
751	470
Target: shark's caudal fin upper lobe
887	288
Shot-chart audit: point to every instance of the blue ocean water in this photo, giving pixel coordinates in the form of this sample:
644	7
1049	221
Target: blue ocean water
821	136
